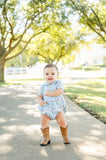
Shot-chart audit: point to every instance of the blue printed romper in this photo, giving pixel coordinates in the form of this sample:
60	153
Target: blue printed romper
54	105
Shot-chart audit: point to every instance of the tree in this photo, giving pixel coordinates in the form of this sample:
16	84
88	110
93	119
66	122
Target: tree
56	44
91	15
27	60
18	19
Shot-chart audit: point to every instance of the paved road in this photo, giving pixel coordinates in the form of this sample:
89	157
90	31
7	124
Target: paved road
20	129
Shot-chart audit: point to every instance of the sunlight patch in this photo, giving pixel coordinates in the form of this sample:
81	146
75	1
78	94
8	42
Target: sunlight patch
5	149
100	89
76	113
31	129
31	110
99	99
2	120
26	95
96	133
4	93
58	147
92	148
43	152
5	137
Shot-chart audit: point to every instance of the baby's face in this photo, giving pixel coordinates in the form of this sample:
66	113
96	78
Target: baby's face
50	74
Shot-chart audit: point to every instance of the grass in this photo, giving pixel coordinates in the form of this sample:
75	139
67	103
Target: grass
18	81
90	67
8	83
90	95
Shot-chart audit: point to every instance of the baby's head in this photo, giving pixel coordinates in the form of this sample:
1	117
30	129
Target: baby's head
50	73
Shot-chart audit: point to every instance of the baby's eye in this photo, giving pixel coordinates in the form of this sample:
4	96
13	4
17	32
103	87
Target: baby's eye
46	73
53	74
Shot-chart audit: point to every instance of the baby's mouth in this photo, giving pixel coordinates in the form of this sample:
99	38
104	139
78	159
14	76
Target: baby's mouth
49	79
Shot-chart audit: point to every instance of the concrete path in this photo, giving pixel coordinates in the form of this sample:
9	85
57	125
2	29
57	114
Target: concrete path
20	133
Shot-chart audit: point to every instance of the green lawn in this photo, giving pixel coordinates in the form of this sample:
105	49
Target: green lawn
18	81
90	95
8	83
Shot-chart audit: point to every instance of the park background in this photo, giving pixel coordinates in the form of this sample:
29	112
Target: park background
70	34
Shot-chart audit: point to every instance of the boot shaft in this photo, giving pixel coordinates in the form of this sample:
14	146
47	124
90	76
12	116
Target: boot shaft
46	137
45	132
64	132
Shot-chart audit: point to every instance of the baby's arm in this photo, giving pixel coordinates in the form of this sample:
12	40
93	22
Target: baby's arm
40	100
54	93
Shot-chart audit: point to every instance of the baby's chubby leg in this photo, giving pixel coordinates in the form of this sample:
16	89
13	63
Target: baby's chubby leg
44	121
63	127
60	118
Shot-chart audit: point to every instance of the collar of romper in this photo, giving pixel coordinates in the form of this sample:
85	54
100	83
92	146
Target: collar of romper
47	83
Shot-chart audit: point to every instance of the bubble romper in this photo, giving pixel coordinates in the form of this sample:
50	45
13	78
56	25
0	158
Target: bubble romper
53	105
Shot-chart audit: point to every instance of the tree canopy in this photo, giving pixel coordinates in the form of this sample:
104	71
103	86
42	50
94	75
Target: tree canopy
91	14
18	18
55	44
50	21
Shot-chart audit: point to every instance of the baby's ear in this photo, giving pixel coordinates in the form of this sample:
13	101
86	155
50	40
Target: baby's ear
57	75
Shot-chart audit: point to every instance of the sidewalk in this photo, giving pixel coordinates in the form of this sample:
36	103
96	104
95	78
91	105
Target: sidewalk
20	133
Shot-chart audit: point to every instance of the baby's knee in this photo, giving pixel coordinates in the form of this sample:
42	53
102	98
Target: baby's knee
61	119
44	118
60	116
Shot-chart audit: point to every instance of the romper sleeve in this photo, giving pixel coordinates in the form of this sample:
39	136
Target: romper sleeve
40	92
60	85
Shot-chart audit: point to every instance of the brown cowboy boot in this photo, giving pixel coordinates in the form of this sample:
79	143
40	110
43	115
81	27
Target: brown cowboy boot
46	137
65	135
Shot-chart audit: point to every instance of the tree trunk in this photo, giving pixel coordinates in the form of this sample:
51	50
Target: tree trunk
2	62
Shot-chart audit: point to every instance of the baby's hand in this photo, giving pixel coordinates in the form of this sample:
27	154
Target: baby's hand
42	103
47	93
